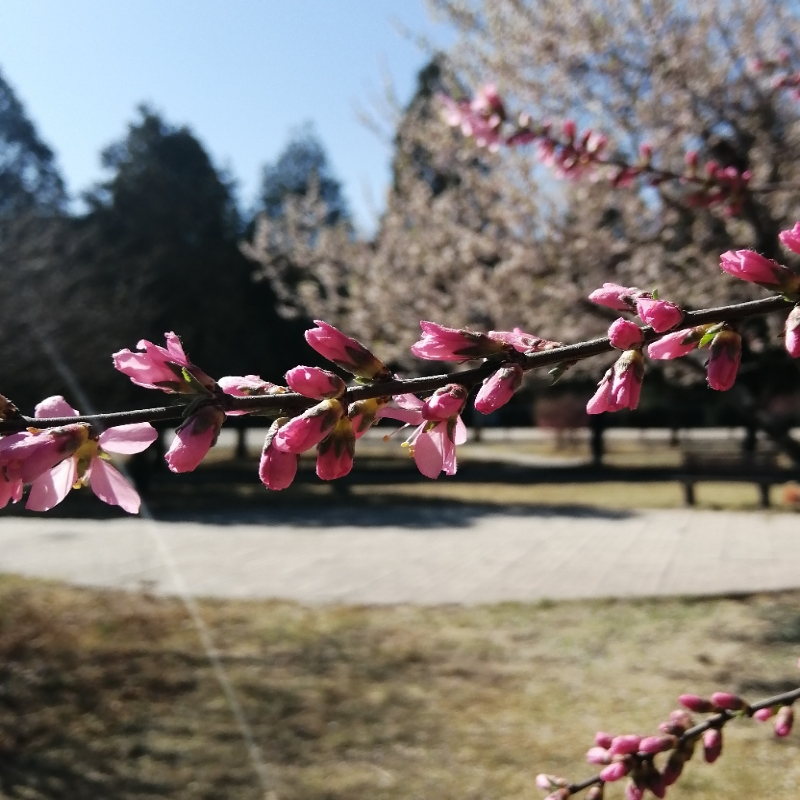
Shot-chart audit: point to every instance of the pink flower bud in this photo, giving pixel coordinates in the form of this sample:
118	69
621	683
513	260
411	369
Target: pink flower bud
27	455
634	792
675	345
195	436
345	352
657	744
621	385
598	755
624	334
728	701
763	714
452	344
726	353
276	469
547	782
595	792
660	315
673	768
498	389
792	330
791	238
616	771
166	368
559	794
569	129
784	721
612	295
624	745
310	428
522	342
750	266
697	704
712	744
314	382
645	152
363	413
603	739
445	403
247	386
335	452
655	783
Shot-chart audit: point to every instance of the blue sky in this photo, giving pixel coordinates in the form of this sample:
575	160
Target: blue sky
240	73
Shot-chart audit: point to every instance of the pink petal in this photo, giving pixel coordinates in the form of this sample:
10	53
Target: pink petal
128	438
175	348
55	406
427	456
460	433
50	489
112	488
407	415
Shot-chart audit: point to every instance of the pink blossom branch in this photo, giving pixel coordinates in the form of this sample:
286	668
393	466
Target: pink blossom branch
292	401
717	720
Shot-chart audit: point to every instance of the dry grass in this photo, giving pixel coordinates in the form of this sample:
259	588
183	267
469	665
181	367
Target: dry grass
108	695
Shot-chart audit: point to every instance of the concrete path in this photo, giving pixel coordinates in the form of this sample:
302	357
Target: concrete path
423	555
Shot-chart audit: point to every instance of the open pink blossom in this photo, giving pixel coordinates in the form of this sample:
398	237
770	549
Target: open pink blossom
523	342
432	443
27	455
277	469
792	333
336	451
624	334
439	343
791	238
194	437
166	368
498	389
723	364
612	295
303	432
660	315
346	352
10	490
315	382
675	345
88	464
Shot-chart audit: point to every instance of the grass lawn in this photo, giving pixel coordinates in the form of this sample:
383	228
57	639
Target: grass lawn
109	695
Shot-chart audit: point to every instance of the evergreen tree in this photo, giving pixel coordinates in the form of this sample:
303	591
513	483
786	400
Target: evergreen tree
29	179
303	164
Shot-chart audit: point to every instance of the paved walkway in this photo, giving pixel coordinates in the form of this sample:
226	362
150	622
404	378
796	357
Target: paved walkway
418	555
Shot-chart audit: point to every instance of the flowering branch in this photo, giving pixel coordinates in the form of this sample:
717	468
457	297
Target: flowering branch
574	156
293	401
634	755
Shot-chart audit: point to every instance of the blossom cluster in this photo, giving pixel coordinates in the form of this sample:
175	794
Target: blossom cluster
577	156
621	385
634	757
